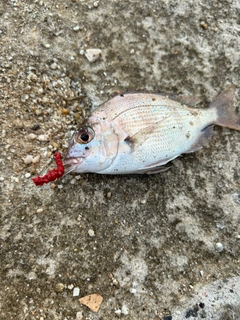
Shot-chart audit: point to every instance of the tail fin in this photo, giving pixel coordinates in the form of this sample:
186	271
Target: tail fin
227	116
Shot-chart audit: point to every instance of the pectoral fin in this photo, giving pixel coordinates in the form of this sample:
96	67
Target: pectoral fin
138	138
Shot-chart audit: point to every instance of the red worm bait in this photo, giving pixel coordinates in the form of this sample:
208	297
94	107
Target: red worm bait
52	174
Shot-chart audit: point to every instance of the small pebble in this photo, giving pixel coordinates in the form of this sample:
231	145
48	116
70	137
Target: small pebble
40	210
124	310
27	175
204	25
38	112
91	233
79	315
36	159
70	286
32	136
59	287
3	133
118	313
133	290
76	292
28	159
109	194
35	127
219	247
54	66
93	54
76	28
43	137
115	282
1	179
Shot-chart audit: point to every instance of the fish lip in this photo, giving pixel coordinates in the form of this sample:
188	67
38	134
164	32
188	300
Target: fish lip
73	161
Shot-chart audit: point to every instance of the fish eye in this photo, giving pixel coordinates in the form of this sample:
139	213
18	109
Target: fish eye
84	135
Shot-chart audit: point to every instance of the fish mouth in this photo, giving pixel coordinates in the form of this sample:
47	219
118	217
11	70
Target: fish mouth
71	163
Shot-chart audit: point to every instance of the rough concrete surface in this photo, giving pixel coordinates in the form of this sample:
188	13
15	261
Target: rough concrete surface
164	246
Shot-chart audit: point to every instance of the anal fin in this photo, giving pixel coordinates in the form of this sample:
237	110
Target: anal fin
205	135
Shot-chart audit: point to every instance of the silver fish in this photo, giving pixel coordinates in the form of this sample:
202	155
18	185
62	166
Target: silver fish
141	132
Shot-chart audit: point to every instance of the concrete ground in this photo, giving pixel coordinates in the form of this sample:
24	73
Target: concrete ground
165	246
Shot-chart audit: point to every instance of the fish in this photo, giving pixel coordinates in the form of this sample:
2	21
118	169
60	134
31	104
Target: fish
136	133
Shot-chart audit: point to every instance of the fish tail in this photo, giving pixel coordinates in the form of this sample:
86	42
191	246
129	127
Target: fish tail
227	116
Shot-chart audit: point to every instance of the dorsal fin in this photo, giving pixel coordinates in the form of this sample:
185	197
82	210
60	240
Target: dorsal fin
190	101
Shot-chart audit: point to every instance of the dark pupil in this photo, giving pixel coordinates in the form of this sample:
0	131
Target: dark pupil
85	136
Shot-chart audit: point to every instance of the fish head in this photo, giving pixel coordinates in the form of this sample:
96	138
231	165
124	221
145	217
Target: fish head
92	148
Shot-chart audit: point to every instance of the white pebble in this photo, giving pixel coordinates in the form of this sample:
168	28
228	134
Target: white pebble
43	137
91	233
40	210
32	136
118	312
54	66
72	181
27	175
76	28
36	159
79	315
70	286
124	310
115	282
133	290
219	247
1	179
76	292
38	112
93	54
28	159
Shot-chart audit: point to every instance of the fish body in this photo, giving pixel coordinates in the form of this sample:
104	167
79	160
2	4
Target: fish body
141	132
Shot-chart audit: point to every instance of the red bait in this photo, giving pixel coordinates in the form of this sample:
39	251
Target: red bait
52	174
